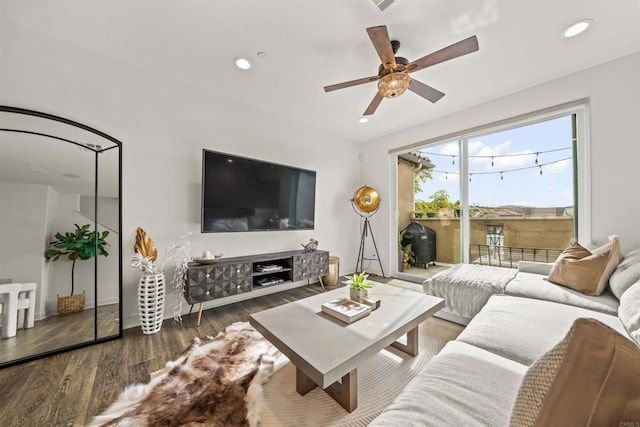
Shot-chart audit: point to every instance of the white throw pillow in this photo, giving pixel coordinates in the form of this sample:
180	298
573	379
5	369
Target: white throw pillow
626	273
629	311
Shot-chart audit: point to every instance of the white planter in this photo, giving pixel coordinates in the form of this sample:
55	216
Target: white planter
357	295
151	296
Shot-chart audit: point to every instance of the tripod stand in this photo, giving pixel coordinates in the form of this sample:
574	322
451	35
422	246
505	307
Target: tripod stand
366	230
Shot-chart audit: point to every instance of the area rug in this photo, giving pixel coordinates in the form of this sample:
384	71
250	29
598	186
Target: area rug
196	389
380	380
215	382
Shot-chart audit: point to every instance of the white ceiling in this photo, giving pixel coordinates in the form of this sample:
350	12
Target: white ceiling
313	43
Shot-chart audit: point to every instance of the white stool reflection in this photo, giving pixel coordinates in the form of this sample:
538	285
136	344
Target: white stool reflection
18	301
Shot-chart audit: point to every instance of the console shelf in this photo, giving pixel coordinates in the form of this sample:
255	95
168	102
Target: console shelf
238	275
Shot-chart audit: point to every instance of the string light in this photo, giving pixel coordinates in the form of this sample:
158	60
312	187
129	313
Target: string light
491	161
539	166
537	158
453	156
501	177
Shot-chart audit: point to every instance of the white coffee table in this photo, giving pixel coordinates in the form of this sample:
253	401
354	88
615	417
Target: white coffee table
327	352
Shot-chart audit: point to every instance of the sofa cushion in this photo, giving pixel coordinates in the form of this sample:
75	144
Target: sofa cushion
626	274
629	311
542	268
523	329
452	390
588	272
592	377
530	285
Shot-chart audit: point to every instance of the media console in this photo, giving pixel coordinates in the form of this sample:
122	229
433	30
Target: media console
237	275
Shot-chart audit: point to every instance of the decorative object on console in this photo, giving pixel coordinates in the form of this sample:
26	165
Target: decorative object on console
346	310
359	284
207	258
311	246
366	202
80	244
229	370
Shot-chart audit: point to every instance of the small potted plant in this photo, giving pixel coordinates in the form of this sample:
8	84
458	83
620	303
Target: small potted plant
359	284
408	257
80	244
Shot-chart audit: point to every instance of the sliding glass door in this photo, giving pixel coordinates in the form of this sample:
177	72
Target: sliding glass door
495	197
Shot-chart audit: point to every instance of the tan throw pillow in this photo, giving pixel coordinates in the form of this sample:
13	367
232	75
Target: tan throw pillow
590	378
587	272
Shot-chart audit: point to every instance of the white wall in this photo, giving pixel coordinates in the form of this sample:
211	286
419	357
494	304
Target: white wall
23	230
164	124
614	93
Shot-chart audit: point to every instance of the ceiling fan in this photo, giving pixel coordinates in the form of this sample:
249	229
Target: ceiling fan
393	74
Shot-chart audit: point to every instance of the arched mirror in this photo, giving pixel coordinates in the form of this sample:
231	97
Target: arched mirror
60	240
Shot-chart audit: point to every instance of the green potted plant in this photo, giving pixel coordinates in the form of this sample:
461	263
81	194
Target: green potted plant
408	257
400	250
80	244
359	284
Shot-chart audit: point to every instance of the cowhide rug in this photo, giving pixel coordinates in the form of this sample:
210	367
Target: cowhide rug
215	382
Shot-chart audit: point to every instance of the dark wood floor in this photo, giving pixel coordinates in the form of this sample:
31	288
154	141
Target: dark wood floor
70	388
57	332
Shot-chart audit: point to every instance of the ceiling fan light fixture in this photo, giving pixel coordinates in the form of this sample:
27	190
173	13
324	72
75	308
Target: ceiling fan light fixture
393	84
577	28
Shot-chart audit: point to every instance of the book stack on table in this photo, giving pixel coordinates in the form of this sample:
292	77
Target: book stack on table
346	310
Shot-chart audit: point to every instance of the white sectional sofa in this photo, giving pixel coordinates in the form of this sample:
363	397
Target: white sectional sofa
475	379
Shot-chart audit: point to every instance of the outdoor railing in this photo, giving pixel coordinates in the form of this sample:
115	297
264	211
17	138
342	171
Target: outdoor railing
507	256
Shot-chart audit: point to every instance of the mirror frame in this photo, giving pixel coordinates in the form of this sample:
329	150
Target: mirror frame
118	146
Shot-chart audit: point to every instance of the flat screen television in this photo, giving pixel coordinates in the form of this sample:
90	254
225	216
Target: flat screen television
242	194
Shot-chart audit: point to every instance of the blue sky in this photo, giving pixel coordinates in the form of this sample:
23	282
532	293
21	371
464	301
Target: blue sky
511	149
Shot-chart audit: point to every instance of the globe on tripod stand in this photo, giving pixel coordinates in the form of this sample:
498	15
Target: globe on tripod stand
366	202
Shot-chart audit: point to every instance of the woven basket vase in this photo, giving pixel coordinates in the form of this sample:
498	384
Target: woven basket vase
71	304
151	295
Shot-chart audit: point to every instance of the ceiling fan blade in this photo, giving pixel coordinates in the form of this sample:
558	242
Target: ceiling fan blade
450	52
374	104
351	83
425	91
380	39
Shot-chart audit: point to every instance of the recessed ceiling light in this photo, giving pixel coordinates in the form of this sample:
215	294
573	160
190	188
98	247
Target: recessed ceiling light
363	120
71	175
577	28
242	63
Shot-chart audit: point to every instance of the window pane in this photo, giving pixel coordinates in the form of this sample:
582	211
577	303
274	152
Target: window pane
438	200
521	180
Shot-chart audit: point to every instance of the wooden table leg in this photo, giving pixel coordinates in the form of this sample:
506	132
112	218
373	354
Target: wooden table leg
200	313
304	384
411	348
345	391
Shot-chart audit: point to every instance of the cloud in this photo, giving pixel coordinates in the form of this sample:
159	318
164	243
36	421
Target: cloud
450	149
557	167
502	158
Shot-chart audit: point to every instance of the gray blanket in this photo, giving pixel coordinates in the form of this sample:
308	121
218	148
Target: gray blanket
467	287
